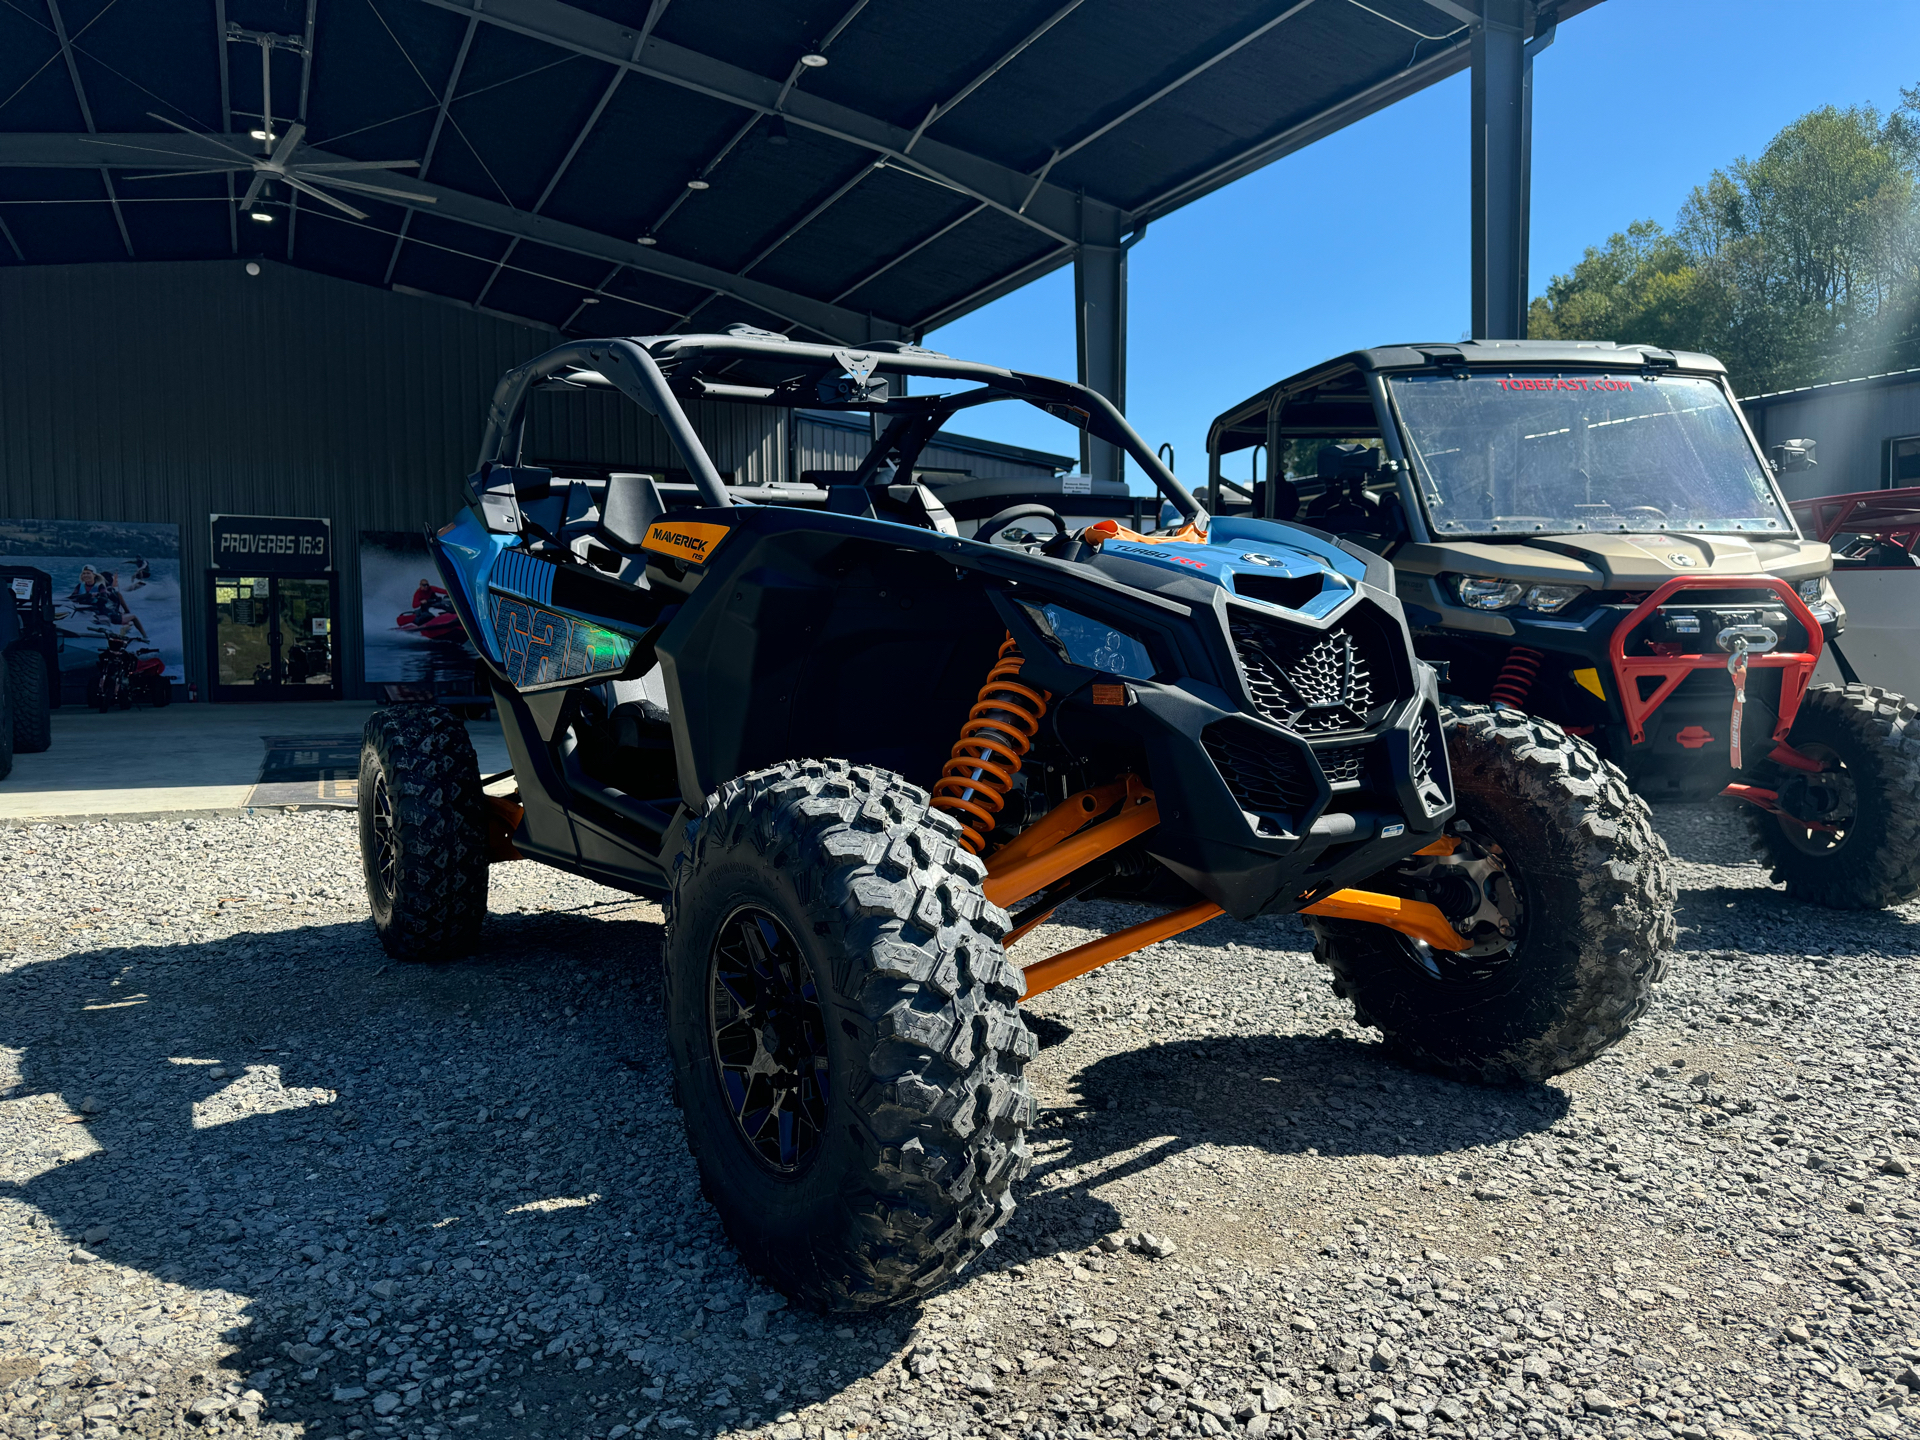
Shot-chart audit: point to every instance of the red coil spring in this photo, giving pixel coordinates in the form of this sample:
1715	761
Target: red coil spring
1517	677
999	731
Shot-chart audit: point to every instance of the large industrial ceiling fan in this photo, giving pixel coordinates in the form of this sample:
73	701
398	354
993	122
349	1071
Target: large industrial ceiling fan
280	163
277	160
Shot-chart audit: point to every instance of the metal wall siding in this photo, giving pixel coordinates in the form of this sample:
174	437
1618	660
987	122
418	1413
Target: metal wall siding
831	447
823	447
166	392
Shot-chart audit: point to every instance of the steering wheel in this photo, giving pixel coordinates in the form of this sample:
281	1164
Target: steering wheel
995	524
1645	514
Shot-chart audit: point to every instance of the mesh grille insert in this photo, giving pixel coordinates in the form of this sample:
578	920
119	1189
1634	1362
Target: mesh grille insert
1263	775
1427	759
1342	764
1316	683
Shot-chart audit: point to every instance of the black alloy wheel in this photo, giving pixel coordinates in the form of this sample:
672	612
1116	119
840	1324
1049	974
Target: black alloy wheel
1845	837
1825	800
769	1040
1562	890
1484	900
386	857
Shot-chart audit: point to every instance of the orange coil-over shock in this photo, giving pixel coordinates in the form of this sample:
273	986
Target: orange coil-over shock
1517	677
999	730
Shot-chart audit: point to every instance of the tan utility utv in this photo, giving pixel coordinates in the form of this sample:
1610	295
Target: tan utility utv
1589	533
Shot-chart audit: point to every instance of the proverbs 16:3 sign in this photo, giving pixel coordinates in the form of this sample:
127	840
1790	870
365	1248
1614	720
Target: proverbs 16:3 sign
262	544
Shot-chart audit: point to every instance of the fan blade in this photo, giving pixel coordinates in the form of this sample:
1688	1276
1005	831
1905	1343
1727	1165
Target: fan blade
175	174
253	190
199	135
286	146
366	189
318	194
360	165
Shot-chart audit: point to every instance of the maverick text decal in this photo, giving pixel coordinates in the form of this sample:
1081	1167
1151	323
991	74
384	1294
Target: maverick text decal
685	540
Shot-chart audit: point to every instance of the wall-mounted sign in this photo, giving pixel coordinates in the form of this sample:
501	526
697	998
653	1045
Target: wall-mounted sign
278	543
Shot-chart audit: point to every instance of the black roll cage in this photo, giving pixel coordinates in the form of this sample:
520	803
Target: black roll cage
658	372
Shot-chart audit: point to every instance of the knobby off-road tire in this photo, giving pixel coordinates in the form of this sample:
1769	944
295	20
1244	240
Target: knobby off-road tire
32	701
923	1114
1596	890
1876	735
6	715
423	833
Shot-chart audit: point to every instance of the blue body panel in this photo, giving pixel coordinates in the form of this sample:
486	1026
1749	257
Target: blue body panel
1256	547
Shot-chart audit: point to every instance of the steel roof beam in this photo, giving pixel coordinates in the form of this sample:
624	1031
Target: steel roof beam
306	85
151	150
1343	112
86	114
654	12
1050	209
226	117
433	140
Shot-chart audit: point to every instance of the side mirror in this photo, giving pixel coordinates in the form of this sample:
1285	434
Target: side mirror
1791	456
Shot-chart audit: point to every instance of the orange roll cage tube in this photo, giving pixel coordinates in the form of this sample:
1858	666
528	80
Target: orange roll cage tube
1056	846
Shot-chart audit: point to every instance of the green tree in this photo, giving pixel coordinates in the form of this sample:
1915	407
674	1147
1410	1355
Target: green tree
1793	268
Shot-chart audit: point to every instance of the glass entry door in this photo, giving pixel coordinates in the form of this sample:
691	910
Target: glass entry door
273	638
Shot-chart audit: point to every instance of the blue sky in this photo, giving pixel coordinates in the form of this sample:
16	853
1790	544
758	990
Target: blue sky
1634	104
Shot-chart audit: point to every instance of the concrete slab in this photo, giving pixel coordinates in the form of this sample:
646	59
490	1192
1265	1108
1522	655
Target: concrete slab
199	759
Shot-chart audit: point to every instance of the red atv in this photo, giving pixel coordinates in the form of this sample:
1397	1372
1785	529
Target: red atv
125	675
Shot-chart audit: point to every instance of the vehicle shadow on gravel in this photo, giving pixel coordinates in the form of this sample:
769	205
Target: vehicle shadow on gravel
453	1196
1756	918
1322	1095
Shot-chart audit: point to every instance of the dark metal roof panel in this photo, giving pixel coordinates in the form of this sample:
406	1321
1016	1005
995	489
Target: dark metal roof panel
944	154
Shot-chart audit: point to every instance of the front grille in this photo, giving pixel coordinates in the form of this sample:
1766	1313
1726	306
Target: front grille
1342	764
1427	759
1316	683
1263	775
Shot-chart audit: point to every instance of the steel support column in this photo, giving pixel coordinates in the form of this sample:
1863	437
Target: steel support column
1100	322
1502	131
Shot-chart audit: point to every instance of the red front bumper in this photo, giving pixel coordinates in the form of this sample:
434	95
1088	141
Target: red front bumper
1797	667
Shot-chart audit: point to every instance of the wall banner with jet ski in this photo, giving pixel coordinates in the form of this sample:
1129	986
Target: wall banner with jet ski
409	632
110	579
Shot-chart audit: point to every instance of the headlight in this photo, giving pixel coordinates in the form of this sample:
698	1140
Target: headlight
1082	640
1479	594
1550	598
1821	599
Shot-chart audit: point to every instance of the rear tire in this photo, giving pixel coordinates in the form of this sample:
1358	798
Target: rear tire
27	690
1875	737
423	833
826	905
1591	905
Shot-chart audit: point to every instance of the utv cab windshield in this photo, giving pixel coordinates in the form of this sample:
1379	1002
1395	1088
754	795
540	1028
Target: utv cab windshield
1498	453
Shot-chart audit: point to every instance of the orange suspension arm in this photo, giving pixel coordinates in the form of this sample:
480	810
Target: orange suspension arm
1047	974
1025	878
1419	919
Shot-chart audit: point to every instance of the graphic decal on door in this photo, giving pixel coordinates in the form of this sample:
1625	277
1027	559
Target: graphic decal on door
538	645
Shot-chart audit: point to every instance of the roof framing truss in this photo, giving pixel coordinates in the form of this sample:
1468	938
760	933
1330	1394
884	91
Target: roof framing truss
146	151
1065	218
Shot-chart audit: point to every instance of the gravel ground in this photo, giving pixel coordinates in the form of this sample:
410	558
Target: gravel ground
254	1179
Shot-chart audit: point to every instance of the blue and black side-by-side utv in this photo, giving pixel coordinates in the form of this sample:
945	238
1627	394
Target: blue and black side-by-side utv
858	757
